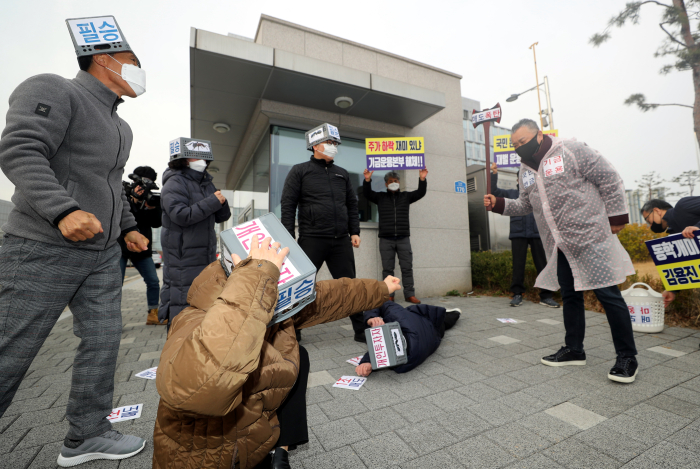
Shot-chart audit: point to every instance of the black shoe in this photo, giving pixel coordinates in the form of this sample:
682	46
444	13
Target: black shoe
564	357
298	333
625	370
280	460
517	300
360	337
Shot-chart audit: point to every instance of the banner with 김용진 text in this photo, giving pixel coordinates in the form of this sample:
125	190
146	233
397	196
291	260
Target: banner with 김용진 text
678	261
395	154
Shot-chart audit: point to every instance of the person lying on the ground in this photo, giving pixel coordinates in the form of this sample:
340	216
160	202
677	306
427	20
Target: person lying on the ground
423	326
232	388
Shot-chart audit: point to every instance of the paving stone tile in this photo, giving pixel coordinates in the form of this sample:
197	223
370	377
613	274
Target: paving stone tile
38	418
341	408
339	433
610	442
575	415
676	406
505	384
342	458
29	405
684	394
517	440
463	424
573	453
549	427
306	451
377	423
18	458
664	455
495	413
479	452
315	415
430	461
10	439
688	438
438	383
504	339
450	401
645	432
418	410
383	451
479	392
426	436
536	461
656	416
666	350
320	378
39	436
523	403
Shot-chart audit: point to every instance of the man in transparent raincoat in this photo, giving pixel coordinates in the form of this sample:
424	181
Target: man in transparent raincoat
578	200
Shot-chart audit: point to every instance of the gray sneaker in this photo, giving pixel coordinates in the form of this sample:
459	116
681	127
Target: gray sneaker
517	300
549	302
109	445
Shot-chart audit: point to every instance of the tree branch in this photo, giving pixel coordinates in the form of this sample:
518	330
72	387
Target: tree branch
631	12
640	101
661	25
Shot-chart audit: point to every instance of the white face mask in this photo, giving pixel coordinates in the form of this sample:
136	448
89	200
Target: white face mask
394	186
329	150
199	165
134	76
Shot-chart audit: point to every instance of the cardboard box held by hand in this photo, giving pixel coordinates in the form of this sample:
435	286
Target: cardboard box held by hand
297	283
387	345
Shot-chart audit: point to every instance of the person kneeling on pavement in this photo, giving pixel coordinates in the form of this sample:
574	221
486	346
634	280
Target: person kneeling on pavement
233	389
423	327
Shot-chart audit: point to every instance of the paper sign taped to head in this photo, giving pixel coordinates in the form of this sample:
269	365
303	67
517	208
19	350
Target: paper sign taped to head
297	282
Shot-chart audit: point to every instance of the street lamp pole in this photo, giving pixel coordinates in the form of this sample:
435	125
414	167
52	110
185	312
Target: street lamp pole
549	104
537	83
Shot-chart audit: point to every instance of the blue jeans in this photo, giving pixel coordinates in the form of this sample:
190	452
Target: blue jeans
147	269
575	313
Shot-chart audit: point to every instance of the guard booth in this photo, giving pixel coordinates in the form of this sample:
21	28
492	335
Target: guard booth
488	231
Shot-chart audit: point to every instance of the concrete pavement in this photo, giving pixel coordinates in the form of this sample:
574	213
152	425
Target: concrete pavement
482	401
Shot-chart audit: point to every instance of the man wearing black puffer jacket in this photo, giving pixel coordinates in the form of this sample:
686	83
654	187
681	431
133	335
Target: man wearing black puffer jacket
395	227
329	225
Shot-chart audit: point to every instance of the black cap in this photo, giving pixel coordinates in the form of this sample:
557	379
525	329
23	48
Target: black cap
146	172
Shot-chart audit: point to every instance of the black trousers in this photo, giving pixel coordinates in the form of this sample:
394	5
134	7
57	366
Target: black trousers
575	316
340	260
519	247
292	413
388	250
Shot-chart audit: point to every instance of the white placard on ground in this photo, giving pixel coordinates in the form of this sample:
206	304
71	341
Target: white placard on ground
127	412
355	361
350	382
508	320
147	374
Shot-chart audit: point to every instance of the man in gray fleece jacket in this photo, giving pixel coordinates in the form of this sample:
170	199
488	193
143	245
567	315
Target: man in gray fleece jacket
64	148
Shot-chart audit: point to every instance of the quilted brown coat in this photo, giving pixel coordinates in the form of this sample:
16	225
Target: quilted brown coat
223	373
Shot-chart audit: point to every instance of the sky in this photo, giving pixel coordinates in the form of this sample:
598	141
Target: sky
485	42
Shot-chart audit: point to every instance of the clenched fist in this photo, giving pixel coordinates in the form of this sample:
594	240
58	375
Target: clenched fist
79	226
135	241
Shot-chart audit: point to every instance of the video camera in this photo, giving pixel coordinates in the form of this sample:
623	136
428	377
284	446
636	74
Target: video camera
148	196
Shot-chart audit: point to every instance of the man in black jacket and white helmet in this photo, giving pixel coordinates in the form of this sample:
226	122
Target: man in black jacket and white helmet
329	225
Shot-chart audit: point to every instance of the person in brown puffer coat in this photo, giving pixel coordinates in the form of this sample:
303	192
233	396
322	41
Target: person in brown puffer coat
223	373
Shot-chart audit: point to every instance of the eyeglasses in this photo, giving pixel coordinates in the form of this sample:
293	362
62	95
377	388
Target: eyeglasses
331	142
646	219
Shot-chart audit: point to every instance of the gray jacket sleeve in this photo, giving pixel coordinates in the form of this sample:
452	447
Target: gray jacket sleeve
29	141
128	222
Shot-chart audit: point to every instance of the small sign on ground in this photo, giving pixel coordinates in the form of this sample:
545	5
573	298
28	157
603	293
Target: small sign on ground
127	412
350	382
147	374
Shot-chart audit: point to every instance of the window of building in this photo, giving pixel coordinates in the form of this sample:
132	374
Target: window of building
288	147
254	186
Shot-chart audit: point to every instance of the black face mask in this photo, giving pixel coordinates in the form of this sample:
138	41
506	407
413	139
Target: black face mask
657	228
528	150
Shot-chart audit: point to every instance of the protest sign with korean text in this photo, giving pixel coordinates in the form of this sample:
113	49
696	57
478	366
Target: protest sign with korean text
678	261
350	382
94	31
504	154
148	374
297	282
395	154
127	412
